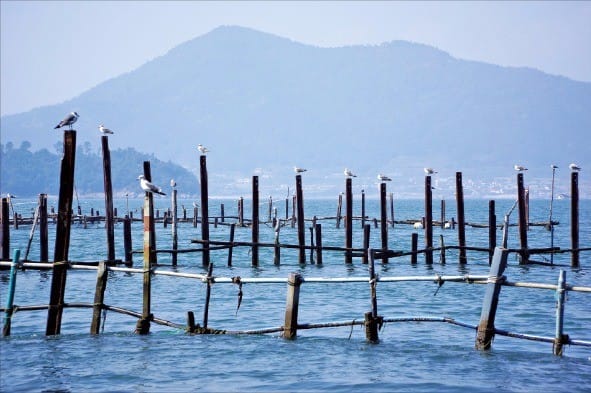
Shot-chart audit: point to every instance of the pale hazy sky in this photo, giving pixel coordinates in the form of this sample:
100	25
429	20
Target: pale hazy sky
53	51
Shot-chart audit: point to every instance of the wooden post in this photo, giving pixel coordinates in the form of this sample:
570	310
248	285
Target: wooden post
143	324
32	233
428	221
442	213
522	220
99	297
371	317
174	227
149	222
270	212
43	230
207	294
195	216
231	247
255	220
286	208
300	220
414	246
204	210
461	219
11	289
222	212
276	248
5	230
574	218
560	339
486	327
109	223
362	208
349	220
442	252
127	240
339	210
241	211
392	208
318	231
293	210
312	247
366	237
492	230
62	235
383	222
290	326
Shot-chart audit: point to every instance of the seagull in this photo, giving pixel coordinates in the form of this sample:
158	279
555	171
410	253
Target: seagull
429	171
149	187
574	167
348	173
172	183
202	148
105	130
520	168
298	169
68	120
383	178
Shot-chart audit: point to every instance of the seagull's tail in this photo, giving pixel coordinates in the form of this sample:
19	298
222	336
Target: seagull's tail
160	192
56	127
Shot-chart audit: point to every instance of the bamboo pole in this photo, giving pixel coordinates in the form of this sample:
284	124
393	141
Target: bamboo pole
11	290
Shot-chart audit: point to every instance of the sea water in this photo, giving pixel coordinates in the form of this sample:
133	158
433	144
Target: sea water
410	356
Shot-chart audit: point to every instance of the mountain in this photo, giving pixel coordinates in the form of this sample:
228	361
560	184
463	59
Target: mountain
263	104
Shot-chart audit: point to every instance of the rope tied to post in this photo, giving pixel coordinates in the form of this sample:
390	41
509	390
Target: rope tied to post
237	280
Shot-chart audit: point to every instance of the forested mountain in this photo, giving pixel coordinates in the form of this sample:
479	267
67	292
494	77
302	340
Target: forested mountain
27	173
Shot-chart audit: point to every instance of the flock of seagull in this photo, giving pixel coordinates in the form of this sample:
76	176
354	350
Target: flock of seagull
147	186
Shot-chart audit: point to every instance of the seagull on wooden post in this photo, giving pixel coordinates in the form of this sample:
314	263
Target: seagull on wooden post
383	178
172	183
105	130
149	187
348	173
68	120
202	149
429	171
298	169
574	167
520	168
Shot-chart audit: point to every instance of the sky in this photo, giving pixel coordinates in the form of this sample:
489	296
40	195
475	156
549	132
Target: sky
51	51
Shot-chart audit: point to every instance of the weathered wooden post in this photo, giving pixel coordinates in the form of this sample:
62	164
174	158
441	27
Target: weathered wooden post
62	235
204	210
383	222
143	324
255	221
442	252
486	327
366	237
560	339
461	219
522	220
127	240
276	248
270	210
442	213
222	212
99	297
349	220
290	326
31	233
43	230
414	246
312	247
174	226
362	208
5	230
241	211
339	210
149	222
109	223
574	218
11	289
428	220
300	219
231	247
492	230
371	318
392	208
318	232
293	210
195	216
207	295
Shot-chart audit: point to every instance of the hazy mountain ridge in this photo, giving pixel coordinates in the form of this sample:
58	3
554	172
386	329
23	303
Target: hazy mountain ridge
262	101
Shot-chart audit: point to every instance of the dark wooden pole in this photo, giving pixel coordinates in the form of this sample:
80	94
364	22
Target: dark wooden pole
143	324
383	221
149	222
362	208
461	219
366	237
204	211
255	221
174	227
428	220
560	338
339	210
207	295
99	297
392	208
414	246
574	218
127	240
231	247
62	235
109	222
222	212
349	220
290	326
486	327
318	232
521	206
492	230
300	220
5	230
442	213
43	229
371	317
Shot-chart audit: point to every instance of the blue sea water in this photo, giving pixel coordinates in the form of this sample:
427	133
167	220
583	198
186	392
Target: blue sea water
410	356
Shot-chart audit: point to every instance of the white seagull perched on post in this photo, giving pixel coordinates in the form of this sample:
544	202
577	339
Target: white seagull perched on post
149	187
520	168
172	183
68	120
348	173
383	178
574	167
105	130
202	149
429	171
298	169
